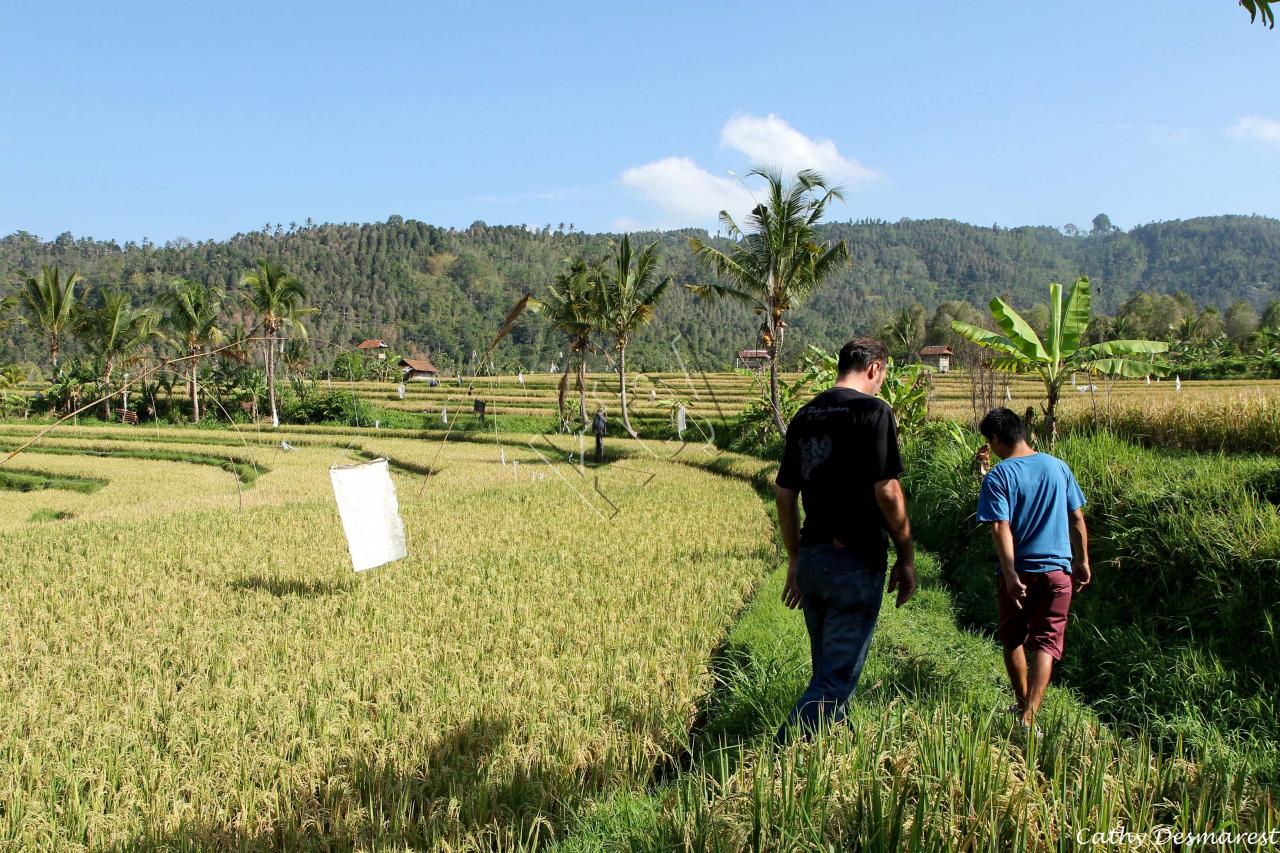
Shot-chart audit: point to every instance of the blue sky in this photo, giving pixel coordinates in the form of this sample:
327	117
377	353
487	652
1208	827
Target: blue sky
128	120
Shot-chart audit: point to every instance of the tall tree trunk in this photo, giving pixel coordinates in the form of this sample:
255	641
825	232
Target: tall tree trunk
582	387
775	347
195	395
564	392
53	350
107	394
271	378
622	383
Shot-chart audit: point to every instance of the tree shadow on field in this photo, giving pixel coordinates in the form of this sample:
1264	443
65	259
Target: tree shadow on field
462	793
281	587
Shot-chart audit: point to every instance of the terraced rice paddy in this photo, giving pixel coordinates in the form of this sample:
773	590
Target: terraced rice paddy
725	394
652	397
187	659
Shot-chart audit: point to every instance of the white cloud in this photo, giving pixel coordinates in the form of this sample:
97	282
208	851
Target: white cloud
684	193
1257	128
771	142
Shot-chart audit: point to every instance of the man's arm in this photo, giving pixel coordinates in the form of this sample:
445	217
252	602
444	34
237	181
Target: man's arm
789	523
893	506
1081	573
1002	537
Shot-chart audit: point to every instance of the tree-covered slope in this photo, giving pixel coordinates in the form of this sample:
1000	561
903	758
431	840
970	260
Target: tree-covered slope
444	291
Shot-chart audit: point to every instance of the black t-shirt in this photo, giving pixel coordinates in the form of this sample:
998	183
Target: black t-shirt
839	445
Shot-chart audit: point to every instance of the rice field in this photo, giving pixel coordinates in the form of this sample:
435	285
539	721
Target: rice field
188	662
714	395
652	397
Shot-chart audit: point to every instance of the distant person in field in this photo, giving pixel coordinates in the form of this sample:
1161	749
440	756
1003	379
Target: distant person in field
1034	507
599	426
841	458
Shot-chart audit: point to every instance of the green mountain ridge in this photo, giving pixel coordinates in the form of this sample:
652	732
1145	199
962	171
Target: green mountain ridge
444	291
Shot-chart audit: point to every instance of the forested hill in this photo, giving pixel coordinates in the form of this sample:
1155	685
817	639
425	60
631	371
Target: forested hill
444	291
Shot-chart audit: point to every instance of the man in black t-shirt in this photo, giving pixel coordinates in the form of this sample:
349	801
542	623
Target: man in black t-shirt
842	459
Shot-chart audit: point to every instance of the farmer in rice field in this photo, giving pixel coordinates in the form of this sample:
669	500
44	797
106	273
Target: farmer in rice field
1034	506
841	458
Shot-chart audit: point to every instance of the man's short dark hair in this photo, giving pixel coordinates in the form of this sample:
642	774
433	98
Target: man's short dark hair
857	355
1003	424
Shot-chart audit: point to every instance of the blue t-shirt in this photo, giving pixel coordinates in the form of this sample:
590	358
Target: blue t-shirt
1035	494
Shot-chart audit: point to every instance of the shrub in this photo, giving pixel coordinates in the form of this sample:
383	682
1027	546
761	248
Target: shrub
327	407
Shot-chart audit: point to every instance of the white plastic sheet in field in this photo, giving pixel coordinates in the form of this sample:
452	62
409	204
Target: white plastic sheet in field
370	513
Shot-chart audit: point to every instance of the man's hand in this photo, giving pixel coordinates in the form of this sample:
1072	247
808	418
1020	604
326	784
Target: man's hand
790	592
1081	574
1015	587
902	577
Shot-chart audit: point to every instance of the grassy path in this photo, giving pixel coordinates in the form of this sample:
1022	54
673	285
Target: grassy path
927	762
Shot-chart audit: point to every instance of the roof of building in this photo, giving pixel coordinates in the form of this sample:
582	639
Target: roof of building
936	350
421	365
372	343
753	353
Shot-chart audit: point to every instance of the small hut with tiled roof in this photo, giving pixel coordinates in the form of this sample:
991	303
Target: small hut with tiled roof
937	358
419	369
374	346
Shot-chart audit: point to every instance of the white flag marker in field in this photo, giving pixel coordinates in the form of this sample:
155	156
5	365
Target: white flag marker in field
444	415
682	420
370	513
400	391
1177	383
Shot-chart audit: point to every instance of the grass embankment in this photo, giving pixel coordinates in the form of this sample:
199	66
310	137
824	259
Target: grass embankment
245	469
927	762
1177	632
26	480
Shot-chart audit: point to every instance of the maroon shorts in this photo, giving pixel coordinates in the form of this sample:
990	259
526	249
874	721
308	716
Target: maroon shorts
1041	623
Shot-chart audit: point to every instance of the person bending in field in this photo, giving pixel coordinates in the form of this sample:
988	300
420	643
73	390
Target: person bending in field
1034	507
841	458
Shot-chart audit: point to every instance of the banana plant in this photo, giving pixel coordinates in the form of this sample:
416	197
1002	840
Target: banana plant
1020	350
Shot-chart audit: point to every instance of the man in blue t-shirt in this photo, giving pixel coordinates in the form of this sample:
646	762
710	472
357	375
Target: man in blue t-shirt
1034	506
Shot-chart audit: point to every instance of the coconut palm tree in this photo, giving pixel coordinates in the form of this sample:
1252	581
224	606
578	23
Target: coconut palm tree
1020	350
904	332
572	307
113	332
191	311
297	355
628	291
777	261
238	346
50	303
276	298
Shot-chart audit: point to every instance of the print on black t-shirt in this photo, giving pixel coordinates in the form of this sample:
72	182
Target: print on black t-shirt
839	445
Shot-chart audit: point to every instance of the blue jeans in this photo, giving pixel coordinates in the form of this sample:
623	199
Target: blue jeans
840	596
